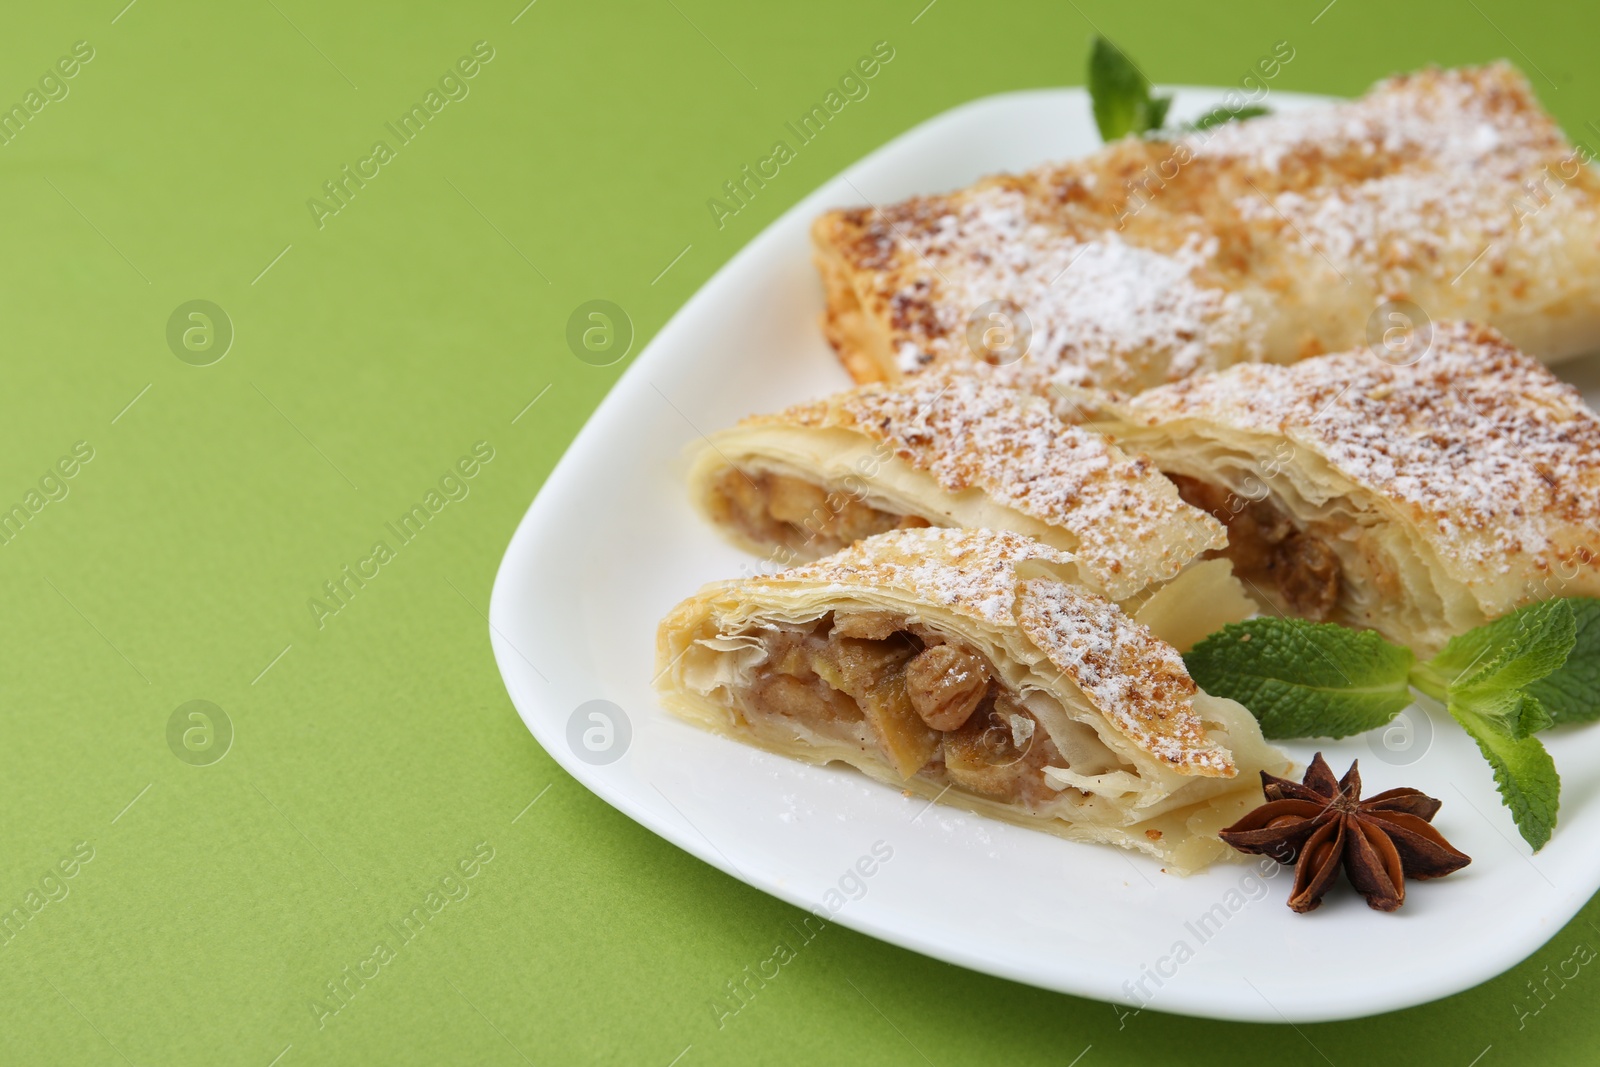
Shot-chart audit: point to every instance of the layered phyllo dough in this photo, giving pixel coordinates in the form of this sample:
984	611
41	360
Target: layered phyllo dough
1271	239
944	450
1418	500
961	666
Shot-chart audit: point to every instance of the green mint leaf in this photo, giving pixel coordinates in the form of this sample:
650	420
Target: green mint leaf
1219	115
1523	772
1156	115
1530	717
1305	679
1543	636
1120	94
1511	652
1474	649
1572	694
1522	714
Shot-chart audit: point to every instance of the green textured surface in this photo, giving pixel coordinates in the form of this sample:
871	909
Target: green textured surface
381	749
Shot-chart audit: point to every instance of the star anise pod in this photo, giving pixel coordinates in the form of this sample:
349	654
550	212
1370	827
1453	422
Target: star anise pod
1316	823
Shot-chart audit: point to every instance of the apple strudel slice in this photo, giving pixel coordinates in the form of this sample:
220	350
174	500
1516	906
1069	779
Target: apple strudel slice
946	450
1419	500
959	666
1271	239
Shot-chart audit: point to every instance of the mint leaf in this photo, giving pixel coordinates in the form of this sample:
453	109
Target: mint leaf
1120	93
1305	679
1507	653
1219	115
1523	772
1156	114
1536	645
1503	682
1572	694
1530	717
1487	674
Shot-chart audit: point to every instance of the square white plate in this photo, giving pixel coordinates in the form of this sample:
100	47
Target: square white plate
610	545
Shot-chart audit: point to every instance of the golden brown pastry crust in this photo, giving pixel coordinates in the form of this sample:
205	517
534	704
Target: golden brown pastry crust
1179	757
1134	679
1124	523
1268	239
1475	456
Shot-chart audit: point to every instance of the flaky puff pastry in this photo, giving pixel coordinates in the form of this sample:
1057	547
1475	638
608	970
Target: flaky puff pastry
1083	722
1449	490
946	450
1274	238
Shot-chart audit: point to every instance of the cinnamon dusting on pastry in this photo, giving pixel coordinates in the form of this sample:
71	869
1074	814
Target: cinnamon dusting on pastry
1419	175
970	571
969	433
1136	680
1098	306
1496	460
1269	239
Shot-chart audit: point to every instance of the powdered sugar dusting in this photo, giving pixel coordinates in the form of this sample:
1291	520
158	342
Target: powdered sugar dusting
1472	116
1095	305
969	571
1496	460
1130	524
1136	680
1431	170
1268	239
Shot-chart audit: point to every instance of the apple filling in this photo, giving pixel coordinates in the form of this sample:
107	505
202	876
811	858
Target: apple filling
1265	546
933	708
772	508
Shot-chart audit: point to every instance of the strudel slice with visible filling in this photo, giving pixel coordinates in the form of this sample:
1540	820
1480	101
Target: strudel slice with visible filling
1417	500
1270	239
947	450
958	665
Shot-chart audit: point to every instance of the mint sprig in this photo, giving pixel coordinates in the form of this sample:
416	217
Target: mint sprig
1120	93
1506	654
1503	682
1122	101
1305	679
1523	772
1572	694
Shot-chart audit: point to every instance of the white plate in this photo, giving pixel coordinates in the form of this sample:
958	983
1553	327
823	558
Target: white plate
611	544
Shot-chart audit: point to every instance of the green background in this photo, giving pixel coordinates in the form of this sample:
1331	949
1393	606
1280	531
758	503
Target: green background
373	753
